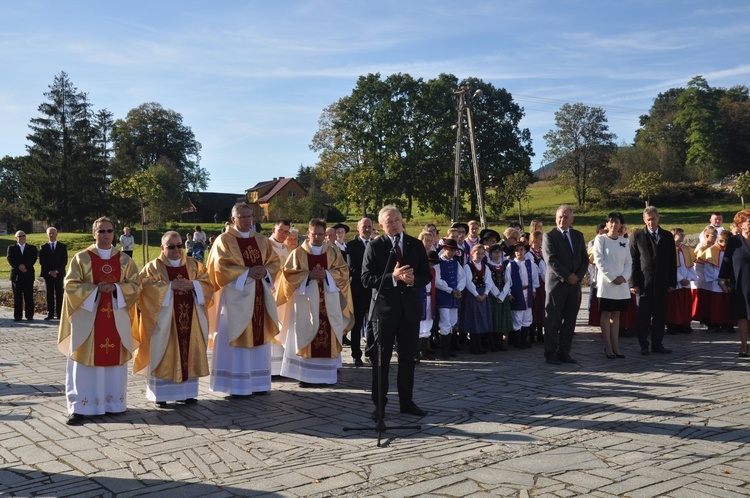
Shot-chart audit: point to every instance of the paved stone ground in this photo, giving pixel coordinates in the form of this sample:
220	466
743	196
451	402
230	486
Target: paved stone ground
502	424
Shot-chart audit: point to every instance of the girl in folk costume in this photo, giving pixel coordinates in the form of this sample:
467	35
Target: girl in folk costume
523	275
538	313
476	318
701	288
449	282
473	238
680	301
502	319
428	315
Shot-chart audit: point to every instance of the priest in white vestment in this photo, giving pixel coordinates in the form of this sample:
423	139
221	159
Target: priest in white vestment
98	327
173	327
243	319
315	281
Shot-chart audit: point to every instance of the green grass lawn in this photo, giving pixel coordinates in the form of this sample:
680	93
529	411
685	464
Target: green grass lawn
544	201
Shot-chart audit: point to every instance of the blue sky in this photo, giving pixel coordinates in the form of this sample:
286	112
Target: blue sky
251	78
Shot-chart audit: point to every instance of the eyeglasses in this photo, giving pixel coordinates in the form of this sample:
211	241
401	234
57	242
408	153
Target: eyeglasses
105	230
175	246
19	236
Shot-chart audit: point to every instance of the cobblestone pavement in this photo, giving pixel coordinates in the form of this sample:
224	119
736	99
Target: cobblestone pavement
501	424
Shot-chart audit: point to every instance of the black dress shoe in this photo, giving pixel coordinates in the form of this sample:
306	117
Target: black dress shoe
30	319
358	362
346	342
16	319
660	349
74	419
552	360
47	318
412	409
161	404
645	351
565	358
190	401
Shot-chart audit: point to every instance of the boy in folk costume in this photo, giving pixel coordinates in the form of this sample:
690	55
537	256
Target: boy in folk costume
502	317
524	280
538	313
476	318
680	301
449	282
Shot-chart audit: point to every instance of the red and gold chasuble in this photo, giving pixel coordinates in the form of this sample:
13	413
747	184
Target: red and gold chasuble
183	316
321	344
252	256
107	341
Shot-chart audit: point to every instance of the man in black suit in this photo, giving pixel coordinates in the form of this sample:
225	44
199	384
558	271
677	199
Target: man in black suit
53	256
654	275
22	257
567	262
397	312
355	255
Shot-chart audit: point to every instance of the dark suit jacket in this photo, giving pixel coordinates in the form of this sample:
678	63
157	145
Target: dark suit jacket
355	255
401	302
654	265
28	258
56	260
561	261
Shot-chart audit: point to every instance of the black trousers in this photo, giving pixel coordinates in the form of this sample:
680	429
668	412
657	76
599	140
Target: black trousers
407	334
652	311
54	295
563	302
361	307
23	294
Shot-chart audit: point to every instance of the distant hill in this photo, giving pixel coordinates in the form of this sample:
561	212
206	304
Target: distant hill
545	172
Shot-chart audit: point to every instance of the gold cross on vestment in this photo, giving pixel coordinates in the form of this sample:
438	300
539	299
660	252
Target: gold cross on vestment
106	346
108	310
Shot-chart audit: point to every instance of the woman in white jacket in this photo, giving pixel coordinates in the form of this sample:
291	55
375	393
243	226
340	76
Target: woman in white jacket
613	264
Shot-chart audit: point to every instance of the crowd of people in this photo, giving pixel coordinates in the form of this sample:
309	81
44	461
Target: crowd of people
279	305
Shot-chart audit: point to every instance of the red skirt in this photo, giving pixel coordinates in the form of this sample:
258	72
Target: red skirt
538	313
712	307
679	307
594	314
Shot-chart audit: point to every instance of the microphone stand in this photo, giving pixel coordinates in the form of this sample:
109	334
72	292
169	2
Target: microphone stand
380	426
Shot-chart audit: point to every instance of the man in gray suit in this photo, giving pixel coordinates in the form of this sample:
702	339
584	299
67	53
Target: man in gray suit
567	262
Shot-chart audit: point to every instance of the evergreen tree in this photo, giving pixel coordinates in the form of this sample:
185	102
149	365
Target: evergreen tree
65	178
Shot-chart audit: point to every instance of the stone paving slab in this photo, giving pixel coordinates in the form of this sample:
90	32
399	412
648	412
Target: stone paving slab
501	424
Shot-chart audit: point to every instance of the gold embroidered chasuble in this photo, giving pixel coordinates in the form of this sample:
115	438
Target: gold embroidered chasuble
163	328
75	335
338	306
226	263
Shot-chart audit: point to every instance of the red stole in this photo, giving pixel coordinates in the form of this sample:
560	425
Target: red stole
252	256
321	344
107	343
183	316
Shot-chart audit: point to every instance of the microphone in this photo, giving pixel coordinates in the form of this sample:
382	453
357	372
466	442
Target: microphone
396	239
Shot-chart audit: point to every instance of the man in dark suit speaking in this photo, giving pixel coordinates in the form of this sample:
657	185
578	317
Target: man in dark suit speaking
53	256
22	257
567	262
397	312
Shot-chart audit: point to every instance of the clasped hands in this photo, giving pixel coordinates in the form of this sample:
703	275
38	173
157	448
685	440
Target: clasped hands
182	285
256	273
106	287
404	273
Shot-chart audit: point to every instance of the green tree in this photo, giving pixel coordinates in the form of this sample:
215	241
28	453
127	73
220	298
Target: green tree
516	188
629	160
151	134
580	147
742	186
705	137
647	184
662	135
63	157
11	210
